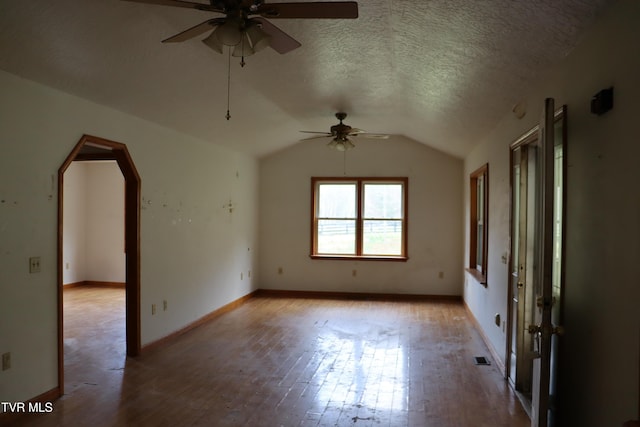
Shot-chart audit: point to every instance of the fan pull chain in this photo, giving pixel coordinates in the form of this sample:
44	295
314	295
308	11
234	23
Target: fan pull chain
228	116
242	63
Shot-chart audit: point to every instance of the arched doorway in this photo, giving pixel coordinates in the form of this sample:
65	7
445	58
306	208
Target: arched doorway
95	148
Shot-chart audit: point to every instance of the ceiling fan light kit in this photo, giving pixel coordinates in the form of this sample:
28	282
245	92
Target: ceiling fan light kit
341	144
229	33
258	38
213	42
243	49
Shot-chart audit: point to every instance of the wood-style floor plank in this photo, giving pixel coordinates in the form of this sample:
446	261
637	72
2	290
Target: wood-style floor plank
277	361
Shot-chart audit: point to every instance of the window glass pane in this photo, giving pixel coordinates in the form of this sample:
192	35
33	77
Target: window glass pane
382	237
480	198
479	181
336	200
383	201
480	226
336	236
480	248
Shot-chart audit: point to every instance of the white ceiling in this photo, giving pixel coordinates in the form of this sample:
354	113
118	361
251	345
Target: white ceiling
441	72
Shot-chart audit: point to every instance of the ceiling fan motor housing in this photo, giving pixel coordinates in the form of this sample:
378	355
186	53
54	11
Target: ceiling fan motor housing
341	130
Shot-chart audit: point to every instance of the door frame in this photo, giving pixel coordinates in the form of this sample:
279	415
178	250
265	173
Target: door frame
529	137
105	149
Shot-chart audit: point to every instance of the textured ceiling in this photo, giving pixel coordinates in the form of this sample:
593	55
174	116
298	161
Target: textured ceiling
441	72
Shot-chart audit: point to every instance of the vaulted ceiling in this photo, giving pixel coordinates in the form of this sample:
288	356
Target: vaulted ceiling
441	72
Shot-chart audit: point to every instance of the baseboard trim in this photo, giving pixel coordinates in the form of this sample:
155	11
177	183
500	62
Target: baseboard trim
154	345
48	396
494	354
95	284
354	295
74	284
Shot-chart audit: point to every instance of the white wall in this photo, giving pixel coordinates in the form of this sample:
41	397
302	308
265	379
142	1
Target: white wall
193	250
105	223
93	223
434	215
74	224
602	321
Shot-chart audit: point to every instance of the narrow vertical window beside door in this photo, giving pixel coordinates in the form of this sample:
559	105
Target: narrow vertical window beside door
480	224
478	229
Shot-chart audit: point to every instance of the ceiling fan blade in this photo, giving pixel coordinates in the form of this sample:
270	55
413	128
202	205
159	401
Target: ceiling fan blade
322	9
180	3
317	137
280	41
365	134
373	135
194	31
311	131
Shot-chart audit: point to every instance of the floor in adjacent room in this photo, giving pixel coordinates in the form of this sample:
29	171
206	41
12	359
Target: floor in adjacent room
278	361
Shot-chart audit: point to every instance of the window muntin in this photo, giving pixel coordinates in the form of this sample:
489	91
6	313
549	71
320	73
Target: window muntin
359	218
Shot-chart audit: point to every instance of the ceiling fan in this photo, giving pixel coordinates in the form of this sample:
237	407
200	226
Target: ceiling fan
245	27
341	132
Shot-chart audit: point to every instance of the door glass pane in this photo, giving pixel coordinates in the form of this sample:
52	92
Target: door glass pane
515	216
556	281
557	213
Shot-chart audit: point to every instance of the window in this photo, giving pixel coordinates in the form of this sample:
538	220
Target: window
362	218
478	230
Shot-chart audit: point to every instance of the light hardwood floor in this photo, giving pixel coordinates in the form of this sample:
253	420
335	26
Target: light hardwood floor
278	361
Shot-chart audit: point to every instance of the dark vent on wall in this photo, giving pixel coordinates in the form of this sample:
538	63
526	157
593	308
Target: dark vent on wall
481	360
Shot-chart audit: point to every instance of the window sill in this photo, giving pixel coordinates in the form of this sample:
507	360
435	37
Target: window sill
481	278
360	258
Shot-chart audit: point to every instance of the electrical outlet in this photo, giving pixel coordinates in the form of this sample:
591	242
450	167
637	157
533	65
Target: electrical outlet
164	305
354	273
6	361
34	264
441	275
241	275
153	309
280	270
249	274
